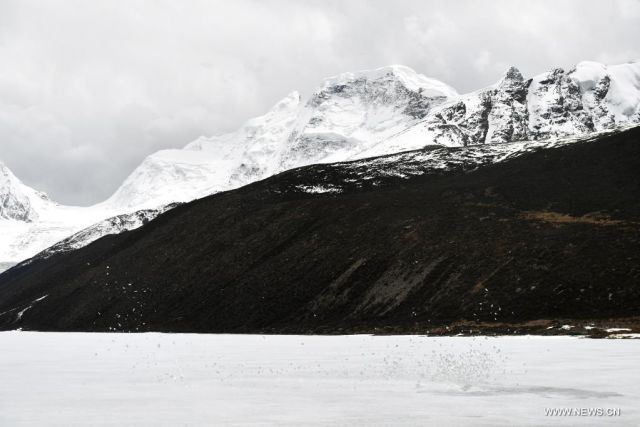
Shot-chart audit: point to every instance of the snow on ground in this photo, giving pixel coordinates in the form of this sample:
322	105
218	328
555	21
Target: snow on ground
319	189
184	380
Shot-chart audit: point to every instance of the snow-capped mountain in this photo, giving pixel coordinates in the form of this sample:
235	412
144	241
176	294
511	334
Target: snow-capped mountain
15	198
352	112
30	221
587	98
389	110
348	114
349	117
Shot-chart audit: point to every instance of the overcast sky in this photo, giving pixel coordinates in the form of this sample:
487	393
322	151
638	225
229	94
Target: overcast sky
89	88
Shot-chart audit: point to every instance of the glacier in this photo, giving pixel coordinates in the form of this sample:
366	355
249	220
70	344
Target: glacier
350	117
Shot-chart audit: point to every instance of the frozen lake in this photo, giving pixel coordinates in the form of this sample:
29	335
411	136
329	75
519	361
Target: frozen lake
184	380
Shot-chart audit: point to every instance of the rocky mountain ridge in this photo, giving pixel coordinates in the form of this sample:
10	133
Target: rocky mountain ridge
351	116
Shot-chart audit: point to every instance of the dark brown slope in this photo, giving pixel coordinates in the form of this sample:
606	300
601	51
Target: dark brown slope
552	234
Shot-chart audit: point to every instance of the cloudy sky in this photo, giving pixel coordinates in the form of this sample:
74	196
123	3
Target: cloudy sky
89	88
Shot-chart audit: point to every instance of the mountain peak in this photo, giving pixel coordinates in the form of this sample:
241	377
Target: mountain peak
7	179
291	100
406	76
512	74
14	203
3	169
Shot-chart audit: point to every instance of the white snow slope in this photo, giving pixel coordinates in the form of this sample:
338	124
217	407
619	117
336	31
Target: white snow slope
351	116
31	222
62	379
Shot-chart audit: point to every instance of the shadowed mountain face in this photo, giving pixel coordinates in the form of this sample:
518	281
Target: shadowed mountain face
553	233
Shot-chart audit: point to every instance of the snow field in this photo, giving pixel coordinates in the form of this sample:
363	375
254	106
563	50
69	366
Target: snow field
187	379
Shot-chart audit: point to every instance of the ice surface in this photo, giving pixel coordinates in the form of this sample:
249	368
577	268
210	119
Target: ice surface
170	380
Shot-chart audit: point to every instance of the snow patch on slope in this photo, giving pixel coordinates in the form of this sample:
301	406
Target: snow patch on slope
432	160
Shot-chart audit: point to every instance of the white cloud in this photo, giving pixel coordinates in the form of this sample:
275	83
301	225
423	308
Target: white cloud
482	61
629	9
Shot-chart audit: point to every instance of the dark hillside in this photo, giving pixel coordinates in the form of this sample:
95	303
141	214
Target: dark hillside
553	234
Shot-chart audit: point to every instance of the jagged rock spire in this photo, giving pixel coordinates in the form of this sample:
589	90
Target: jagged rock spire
512	74
14	204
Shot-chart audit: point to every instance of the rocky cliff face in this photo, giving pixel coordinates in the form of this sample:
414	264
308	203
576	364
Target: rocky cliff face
352	112
14	202
588	98
496	114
